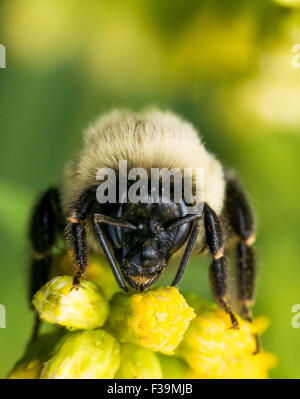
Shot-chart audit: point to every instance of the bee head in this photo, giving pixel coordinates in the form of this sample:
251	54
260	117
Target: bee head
143	253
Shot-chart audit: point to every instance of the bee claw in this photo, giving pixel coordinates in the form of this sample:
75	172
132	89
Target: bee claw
258	345
235	323
76	284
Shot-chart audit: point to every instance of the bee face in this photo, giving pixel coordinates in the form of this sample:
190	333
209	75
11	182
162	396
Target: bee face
144	253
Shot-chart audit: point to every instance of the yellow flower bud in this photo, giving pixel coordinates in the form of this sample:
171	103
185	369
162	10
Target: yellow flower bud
98	271
138	363
86	354
37	353
155	319
214	350
82	307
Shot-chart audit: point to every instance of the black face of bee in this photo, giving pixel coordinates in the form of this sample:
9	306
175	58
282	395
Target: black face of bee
143	252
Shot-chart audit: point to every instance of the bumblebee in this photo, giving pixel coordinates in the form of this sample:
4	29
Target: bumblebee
138	239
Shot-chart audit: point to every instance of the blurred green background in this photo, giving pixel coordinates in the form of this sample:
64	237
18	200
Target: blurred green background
226	66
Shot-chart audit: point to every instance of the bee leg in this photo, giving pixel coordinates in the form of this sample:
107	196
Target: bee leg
246	272
241	219
75	232
44	226
113	221
218	272
188	250
109	256
35	330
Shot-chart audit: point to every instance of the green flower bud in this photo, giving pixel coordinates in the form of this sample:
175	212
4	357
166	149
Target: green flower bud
138	363
37	353
79	308
86	354
98	271
175	368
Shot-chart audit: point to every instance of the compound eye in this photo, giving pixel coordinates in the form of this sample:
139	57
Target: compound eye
114	235
181	235
114	232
